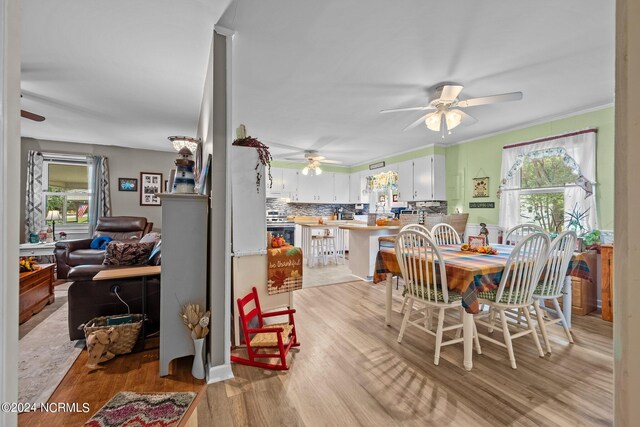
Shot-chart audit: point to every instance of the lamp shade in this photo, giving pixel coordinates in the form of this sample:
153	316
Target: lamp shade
53	216
179	142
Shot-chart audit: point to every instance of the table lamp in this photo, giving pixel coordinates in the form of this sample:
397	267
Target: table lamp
53	216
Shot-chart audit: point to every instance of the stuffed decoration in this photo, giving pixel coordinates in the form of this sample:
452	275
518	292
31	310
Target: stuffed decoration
98	346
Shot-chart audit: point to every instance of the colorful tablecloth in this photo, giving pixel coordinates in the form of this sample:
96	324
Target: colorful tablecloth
284	269
468	272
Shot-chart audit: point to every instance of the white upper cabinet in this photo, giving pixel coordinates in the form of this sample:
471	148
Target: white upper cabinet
405	181
290	184
307	188
276	185
422	178
341	187
324	187
355	193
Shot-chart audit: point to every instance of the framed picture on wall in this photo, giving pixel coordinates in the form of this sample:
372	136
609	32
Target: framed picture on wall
150	187
481	187
127	184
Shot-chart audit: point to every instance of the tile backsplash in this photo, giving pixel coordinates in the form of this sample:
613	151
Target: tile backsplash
313	209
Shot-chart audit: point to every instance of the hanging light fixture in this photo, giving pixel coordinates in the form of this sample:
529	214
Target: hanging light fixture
305	170
312	168
433	121
179	142
452	119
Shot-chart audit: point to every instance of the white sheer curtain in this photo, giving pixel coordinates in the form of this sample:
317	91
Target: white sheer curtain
579	146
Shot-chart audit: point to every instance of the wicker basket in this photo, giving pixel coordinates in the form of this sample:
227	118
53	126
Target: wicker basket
127	332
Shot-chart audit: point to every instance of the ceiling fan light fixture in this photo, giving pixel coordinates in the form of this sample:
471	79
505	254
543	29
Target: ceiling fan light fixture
305	170
318	170
179	142
454	118
433	121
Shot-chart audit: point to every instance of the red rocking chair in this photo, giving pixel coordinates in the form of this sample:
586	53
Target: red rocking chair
281	336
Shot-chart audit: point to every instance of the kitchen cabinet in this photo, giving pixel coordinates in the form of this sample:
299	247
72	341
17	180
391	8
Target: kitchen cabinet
315	188
355	187
275	190
341	186
422	178
290	184
405	181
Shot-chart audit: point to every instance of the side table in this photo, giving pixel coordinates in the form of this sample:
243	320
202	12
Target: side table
36	291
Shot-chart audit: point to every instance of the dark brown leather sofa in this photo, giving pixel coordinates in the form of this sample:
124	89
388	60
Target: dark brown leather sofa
73	253
88	298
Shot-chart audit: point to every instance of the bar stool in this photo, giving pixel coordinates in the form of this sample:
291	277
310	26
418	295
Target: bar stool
330	248
317	250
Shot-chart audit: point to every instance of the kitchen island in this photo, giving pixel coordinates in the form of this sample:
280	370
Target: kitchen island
363	247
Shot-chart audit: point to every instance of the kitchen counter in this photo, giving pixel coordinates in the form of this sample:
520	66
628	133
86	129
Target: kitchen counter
365	227
363	246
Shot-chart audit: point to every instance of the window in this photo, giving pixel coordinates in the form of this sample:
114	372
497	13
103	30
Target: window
542	183
66	189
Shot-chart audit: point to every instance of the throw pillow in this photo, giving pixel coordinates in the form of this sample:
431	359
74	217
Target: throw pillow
156	254
122	253
152	237
100	242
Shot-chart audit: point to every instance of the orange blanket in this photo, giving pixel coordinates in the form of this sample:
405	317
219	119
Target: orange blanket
284	269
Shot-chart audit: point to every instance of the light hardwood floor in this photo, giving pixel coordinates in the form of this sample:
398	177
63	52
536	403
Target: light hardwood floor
137	372
350	370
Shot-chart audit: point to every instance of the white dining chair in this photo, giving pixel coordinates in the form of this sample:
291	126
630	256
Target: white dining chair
515	292
552	282
417	227
517	233
421	228
424	273
444	234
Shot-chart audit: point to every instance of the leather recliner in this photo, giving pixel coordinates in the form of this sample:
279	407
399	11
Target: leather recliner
73	253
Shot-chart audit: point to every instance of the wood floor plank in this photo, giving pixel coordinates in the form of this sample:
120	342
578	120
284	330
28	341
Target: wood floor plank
350	370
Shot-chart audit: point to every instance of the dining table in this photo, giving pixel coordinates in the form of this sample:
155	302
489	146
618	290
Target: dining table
470	273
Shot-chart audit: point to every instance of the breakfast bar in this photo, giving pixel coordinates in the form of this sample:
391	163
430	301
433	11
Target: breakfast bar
363	247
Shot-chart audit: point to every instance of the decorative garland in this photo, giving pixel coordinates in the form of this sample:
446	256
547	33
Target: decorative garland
264	156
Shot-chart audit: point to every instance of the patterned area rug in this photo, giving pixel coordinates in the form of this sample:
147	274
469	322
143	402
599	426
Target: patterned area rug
143	410
46	354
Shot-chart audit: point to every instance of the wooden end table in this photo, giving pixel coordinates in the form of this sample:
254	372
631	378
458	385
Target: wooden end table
36	291
127	273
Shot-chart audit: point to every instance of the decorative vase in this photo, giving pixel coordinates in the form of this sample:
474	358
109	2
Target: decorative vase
197	370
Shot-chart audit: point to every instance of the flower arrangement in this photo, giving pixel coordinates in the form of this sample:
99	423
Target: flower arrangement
196	320
28	264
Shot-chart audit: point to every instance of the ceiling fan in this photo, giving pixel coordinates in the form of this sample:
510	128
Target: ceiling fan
446	105
31	116
314	160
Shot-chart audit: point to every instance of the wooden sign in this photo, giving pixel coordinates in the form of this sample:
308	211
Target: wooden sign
482	205
376	165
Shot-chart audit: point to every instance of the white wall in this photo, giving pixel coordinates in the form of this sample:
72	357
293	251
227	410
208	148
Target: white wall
9	197
123	163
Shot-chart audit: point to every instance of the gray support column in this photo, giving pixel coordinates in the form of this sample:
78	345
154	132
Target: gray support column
626	294
10	209
220	247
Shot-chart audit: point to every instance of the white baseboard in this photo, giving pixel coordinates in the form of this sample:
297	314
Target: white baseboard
219	373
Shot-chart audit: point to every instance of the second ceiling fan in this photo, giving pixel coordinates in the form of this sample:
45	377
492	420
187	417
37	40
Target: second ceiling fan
446	106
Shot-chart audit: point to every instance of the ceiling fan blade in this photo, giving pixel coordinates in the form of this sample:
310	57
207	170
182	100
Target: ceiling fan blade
513	96
297	159
450	93
395	110
331	162
31	116
283	146
416	123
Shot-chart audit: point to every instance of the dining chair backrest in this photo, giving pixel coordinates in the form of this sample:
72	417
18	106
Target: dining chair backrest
522	272
422	266
557	263
517	233
444	234
417	227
